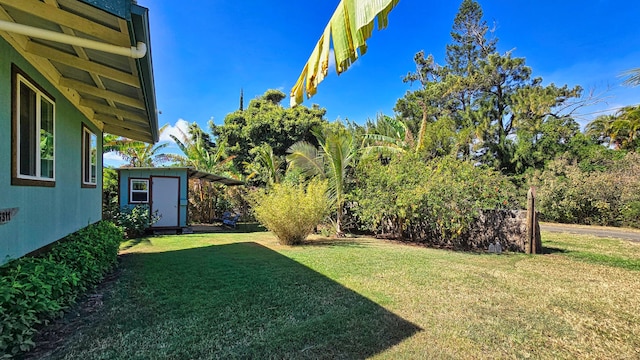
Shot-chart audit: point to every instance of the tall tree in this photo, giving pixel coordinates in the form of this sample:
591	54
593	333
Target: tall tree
266	121
477	89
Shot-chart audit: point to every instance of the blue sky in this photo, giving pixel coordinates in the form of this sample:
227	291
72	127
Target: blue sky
204	52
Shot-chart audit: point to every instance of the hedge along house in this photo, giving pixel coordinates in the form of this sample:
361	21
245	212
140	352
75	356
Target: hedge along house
70	70
164	190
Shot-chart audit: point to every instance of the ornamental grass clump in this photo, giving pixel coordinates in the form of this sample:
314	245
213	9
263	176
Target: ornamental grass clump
290	211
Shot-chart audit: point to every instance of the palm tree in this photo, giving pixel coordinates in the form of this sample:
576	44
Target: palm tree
619	130
601	129
633	77
387	135
267	165
331	160
137	153
628	125
201	154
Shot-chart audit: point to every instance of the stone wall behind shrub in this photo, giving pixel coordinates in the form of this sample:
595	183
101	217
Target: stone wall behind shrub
509	227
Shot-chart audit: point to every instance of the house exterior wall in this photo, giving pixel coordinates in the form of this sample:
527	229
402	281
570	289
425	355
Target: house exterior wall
45	214
145	173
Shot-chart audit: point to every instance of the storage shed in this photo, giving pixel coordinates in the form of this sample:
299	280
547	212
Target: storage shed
164	189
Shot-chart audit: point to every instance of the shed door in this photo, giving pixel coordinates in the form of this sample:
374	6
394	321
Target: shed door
165	199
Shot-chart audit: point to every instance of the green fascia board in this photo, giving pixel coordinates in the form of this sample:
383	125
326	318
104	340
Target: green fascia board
121	8
139	29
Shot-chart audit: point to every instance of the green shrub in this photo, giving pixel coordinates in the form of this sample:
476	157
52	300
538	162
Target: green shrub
433	202
609	196
110	205
36	289
134	220
291	212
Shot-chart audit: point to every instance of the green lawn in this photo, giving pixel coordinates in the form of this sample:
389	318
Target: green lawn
245	296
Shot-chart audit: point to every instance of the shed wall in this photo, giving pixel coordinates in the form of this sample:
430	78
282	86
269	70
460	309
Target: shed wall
127	174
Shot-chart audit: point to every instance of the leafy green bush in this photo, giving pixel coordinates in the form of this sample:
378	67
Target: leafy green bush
433	202
609	196
134	220
36	289
291	212
110	204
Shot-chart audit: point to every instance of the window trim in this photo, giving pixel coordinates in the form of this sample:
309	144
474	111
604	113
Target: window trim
17	77
131	191
88	184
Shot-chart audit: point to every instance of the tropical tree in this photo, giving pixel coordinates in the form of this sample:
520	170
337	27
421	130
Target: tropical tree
389	136
633	77
203	154
619	130
331	160
266	121
199	151
627	126
386	136
266	167
137	153
480	98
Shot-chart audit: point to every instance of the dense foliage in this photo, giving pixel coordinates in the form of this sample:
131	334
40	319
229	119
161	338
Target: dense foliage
431	202
609	196
266	121
110	205
292	211
135	220
34	290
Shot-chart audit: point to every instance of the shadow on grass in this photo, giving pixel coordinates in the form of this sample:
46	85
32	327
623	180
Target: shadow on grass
224	229
553	250
239	300
127	244
328	242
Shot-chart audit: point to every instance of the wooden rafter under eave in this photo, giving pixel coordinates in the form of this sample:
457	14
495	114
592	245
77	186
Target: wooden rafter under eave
102	93
82	64
105	109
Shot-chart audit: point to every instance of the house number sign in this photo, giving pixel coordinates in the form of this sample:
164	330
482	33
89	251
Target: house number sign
7	215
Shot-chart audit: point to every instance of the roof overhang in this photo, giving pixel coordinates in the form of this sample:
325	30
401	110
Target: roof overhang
195	174
114	91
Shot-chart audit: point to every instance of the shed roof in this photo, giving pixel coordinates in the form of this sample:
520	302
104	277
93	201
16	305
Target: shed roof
191	174
116	92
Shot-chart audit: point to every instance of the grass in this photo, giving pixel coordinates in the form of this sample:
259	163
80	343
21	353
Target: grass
244	296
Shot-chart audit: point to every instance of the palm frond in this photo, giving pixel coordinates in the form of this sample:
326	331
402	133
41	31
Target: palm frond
306	157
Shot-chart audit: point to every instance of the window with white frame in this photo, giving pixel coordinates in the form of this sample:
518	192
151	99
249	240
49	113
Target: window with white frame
89	157
34	124
138	191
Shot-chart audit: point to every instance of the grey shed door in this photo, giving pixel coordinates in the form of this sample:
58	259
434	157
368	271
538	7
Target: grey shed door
164	199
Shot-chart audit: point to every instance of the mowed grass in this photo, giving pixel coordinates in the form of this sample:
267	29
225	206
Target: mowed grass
244	296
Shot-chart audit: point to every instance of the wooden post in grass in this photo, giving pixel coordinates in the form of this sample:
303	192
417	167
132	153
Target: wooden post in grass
531	246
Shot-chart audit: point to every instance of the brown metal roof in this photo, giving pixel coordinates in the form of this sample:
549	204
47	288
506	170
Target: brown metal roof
191	174
195	174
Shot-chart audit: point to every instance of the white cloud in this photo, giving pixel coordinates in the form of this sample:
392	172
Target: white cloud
112	159
178	130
